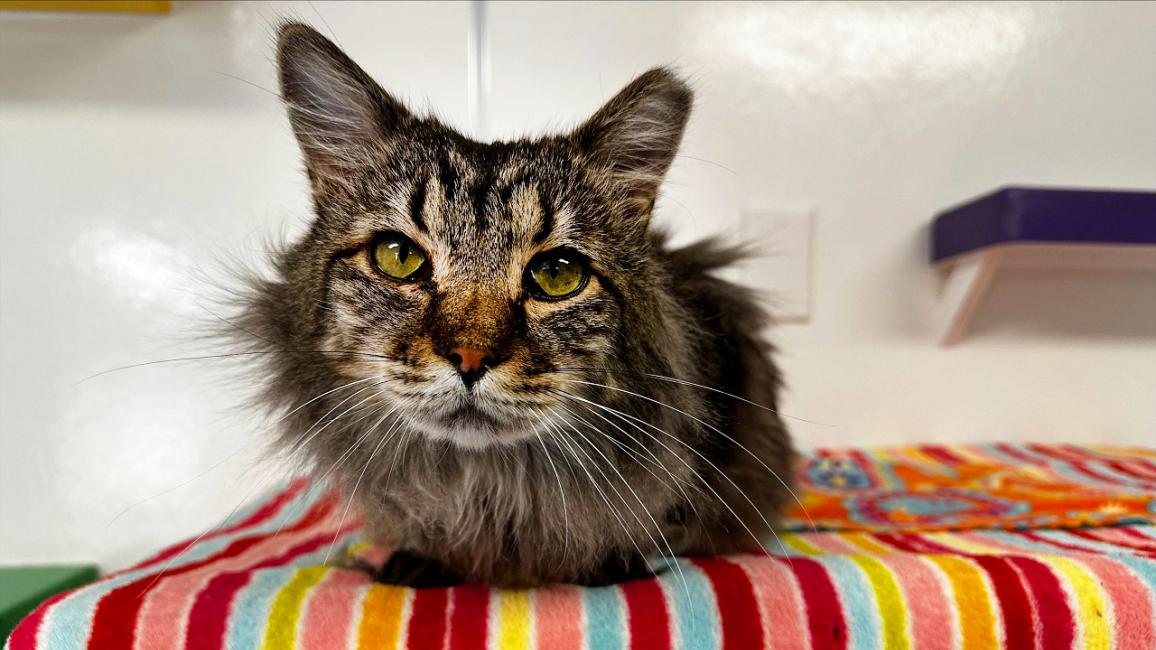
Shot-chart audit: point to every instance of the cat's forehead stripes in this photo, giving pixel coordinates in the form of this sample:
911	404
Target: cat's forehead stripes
447	177
546	212
484	200
417	205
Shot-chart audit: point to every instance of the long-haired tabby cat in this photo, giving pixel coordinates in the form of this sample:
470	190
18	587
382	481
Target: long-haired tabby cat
513	378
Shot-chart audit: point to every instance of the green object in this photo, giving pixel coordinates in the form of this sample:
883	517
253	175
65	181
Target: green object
23	588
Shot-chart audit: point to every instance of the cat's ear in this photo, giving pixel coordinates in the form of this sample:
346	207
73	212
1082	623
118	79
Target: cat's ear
339	114
636	134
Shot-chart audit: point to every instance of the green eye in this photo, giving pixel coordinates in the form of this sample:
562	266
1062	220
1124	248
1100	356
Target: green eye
396	256
557	274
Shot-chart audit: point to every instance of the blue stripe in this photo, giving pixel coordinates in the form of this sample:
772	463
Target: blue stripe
1132	482
859	601
693	607
1010	460
605	617
1002	536
1023	542
250	613
1069	472
1150	531
779	548
1122	482
1065	537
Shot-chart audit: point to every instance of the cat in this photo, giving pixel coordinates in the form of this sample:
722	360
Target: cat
512	376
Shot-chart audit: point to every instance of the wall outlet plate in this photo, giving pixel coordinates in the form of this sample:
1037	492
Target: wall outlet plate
781	240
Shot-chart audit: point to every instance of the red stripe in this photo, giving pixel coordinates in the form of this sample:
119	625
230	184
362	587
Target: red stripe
737	606
1126	468
912	543
24	636
1013	602
896	541
427	624
862	459
1057	452
1017	454
824	614
1142	467
1127	530
1091	472
469	617
1057	622
646	614
927	546
1035	537
210	611
259	516
1081	549
114	620
1096	535
943	454
1082	453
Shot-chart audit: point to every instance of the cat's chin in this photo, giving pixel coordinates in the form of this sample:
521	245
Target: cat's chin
473	430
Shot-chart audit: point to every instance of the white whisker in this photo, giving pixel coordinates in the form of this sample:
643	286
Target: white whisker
715	429
571	446
658	529
631	418
561	493
360	477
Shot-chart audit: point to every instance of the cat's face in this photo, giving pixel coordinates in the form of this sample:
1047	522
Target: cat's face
471	283
478	275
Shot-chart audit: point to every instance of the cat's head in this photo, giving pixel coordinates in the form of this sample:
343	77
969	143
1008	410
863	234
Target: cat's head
463	284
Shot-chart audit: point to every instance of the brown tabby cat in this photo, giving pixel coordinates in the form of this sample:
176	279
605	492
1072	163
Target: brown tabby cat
514	379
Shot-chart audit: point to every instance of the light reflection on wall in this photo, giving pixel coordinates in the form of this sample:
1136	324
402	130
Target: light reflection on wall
143	270
823	49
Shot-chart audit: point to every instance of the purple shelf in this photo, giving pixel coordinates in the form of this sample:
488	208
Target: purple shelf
1041	215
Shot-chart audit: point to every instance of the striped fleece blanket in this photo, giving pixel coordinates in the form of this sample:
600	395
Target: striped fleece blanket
1018	546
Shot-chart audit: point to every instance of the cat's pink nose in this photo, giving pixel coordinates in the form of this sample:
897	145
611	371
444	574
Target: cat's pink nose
469	359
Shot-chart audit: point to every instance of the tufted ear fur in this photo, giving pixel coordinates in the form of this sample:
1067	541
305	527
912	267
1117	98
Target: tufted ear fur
636	134
339	114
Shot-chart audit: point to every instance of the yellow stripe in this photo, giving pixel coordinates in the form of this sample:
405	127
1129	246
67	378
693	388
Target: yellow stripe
799	544
357	548
1093	609
1124	453
977	622
381	617
281	631
892	611
864	541
970	454
921	457
140	6
514	620
952	540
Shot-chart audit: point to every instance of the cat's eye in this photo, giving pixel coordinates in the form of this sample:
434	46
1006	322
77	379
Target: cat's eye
557	274
396	256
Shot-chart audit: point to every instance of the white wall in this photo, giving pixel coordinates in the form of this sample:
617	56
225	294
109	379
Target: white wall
130	158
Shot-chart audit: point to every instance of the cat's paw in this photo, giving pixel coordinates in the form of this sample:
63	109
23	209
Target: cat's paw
408	569
617	570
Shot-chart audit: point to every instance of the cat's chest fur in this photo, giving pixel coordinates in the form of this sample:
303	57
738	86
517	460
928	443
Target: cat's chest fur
526	514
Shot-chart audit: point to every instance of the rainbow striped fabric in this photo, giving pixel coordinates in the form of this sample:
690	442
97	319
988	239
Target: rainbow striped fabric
924	547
